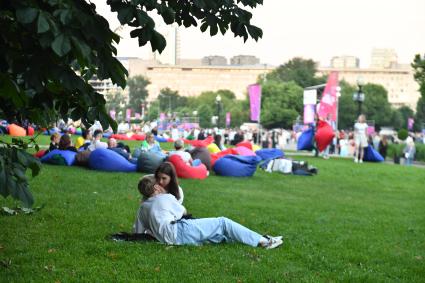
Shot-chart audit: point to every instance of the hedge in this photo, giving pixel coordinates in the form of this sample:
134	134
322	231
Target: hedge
398	148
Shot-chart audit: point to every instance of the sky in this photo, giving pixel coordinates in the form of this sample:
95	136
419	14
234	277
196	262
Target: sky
312	29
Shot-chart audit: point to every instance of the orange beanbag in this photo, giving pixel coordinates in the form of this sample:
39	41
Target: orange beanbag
186	171
324	135
218	155
15	130
246	144
200	143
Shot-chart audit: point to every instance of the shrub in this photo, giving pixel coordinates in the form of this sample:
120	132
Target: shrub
396	150
402	134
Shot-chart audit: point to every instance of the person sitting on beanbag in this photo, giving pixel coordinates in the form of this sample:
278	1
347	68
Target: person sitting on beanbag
150	145
97	143
54	142
65	143
186	157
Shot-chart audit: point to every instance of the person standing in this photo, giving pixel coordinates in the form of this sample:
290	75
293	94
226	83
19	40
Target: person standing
360	138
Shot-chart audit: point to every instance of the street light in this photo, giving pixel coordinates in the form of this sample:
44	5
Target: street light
218	102
359	96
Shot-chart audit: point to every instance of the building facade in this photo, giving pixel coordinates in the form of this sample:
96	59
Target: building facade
345	62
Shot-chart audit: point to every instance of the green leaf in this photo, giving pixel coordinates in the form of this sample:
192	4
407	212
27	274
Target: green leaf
26	15
168	15
61	45
125	15
42	24
158	42
24	194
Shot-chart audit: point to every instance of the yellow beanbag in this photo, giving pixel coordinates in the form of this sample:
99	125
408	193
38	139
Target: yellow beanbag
255	147
79	142
213	148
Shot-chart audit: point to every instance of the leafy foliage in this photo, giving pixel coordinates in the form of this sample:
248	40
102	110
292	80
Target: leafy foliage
116	101
169	100
51	48
14	161
301	71
137	92
419	67
281	103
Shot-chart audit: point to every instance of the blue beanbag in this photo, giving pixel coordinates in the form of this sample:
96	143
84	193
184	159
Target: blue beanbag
107	135
160	139
269	153
50	132
68	156
107	160
371	155
305	141
236	165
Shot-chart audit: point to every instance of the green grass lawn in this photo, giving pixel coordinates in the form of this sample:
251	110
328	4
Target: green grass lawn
351	222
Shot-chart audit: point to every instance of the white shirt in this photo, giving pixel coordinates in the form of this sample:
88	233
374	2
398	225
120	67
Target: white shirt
360	129
97	144
183	154
156	214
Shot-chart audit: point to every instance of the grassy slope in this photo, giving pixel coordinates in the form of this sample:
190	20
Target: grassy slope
352	222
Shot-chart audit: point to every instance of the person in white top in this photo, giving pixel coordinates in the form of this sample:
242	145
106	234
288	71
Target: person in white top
96	143
360	138
179	146
165	218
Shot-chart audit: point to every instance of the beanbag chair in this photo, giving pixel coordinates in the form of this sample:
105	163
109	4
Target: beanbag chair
82	158
218	155
242	150
138	137
51	131
107	160
269	153
213	148
186	171
148	162
67	155
236	165
39	154
255	147
79	142
107	135
160	139
324	135
30	131
246	144
200	143
120	137
202	154
15	130
305	141
371	155
170	140
78	131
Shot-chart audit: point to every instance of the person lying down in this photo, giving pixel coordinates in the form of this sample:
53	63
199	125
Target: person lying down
164	217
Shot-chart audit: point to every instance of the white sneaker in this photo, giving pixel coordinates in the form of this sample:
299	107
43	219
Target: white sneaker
361	161
273	242
356	160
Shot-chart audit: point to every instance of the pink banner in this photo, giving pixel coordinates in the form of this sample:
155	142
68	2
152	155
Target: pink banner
162	116
112	114
128	114
228	119
254	92
329	101
309	113
410	123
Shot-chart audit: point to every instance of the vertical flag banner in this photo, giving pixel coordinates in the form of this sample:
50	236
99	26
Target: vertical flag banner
128	114
228	119
254	92
410	123
112	114
309	110
328	103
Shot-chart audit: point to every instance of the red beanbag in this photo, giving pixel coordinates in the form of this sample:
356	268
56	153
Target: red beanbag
186	171
30	131
138	137
120	137
200	143
246	144
39	154
15	130
218	155
324	135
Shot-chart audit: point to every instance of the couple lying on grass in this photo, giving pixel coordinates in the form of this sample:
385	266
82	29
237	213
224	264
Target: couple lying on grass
163	216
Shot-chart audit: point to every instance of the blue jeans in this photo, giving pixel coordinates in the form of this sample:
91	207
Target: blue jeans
214	230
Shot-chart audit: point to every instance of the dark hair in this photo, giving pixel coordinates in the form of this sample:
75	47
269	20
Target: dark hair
167	168
64	142
217	140
84	133
97	132
146	186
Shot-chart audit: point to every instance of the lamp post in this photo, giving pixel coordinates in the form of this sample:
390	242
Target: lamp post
218	102
359	96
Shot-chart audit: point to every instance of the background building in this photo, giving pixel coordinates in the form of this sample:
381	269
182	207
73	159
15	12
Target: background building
345	62
244	60
214	61
383	58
